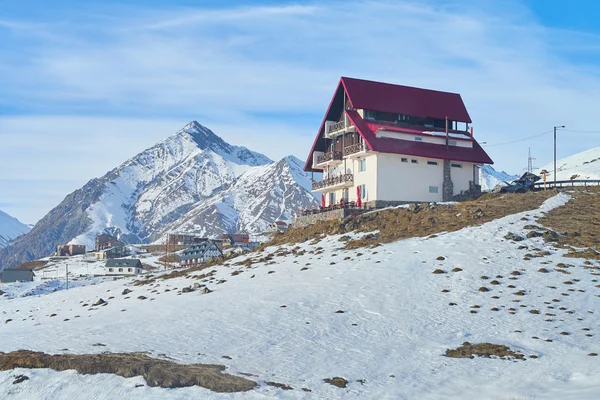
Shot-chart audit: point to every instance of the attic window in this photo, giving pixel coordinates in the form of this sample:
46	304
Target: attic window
432	163
413	161
456	165
418	139
403	159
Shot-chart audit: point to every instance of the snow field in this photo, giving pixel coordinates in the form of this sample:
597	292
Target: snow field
378	316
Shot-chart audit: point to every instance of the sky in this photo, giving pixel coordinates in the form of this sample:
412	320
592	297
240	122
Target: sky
85	85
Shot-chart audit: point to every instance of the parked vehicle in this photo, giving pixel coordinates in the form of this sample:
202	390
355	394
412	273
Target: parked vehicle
515	187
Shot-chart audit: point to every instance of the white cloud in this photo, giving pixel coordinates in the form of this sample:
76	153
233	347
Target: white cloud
250	73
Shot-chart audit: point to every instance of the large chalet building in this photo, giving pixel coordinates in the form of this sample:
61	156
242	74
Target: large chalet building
382	144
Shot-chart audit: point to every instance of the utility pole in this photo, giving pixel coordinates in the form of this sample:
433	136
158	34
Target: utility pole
562	126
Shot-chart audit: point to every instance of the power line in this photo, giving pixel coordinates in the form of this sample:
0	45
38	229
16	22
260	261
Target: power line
519	140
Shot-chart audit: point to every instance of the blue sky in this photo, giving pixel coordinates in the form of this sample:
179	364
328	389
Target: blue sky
88	84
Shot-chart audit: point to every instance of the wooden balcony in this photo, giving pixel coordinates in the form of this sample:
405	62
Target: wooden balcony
337	181
332	158
354	149
333	129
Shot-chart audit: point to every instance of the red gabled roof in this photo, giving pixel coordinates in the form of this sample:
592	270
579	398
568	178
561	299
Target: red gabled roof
424	103
419	149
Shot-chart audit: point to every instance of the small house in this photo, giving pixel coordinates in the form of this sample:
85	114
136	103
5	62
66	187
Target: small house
278	226
232	239
70	250
200	253
16	275
123	267
104	241
117	250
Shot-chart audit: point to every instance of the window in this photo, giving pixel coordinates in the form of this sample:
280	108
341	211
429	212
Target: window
432	163
120	269
110	270
363	191
362	165
433	189
128	269
404	159
456	165
452	142
418	139
413	161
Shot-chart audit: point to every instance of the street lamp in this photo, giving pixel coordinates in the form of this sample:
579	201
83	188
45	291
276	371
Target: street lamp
562	126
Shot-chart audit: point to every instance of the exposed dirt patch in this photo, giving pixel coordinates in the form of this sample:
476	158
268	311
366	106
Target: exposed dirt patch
337	381
468	350
401	223
156	372
280	385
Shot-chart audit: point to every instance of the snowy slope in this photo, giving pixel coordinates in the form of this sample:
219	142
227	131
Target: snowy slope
379	318
489	177
10	228
584	165
143	198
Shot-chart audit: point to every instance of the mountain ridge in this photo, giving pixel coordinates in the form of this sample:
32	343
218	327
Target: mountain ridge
10	228
144	196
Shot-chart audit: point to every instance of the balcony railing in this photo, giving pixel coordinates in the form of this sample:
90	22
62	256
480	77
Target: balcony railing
333	181
329	156
355	148
338	126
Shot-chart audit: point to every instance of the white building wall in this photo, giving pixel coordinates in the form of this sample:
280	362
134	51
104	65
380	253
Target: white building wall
407	181
387	178
461	176
367	178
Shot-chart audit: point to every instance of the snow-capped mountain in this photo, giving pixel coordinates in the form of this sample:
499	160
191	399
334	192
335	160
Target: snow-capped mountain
10	228
191	180
584	165
253	201
489	177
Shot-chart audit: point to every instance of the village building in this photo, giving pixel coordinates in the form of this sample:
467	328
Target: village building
232	239
381	144
116	250
104	241
200	253
178	239
70	250
16	275
278	226
123	267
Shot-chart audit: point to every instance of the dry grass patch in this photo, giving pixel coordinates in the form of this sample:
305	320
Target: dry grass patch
33	264
579	222
156	372
488	350
401	223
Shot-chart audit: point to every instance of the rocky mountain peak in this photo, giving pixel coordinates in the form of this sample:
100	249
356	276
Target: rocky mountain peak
193	181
